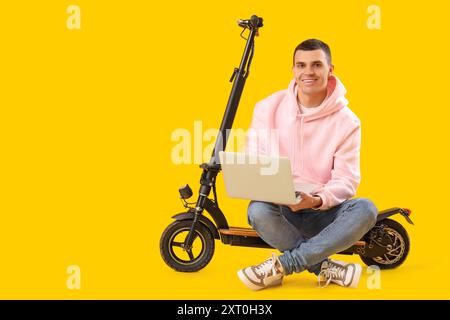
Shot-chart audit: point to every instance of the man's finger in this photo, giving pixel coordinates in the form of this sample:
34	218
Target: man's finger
304	195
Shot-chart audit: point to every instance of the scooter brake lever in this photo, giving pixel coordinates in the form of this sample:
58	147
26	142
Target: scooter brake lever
234	74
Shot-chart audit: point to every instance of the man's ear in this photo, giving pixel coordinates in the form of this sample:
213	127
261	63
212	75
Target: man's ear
330	71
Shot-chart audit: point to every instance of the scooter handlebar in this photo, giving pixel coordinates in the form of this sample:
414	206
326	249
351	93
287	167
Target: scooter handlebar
254	22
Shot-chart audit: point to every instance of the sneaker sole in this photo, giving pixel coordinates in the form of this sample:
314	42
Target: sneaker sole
254	286
247	282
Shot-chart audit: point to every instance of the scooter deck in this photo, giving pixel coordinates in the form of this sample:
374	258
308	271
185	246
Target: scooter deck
248	232
238	231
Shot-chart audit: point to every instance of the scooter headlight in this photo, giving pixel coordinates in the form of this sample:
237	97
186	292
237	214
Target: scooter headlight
185	192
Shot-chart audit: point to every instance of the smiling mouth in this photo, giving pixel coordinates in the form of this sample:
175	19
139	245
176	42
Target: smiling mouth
308	81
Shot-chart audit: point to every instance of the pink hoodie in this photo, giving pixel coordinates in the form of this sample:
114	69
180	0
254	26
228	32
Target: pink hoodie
323	146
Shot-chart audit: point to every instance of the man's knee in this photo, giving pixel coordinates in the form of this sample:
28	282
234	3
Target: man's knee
367	210
259	211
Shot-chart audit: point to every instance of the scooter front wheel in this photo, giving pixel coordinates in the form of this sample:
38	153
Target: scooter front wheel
173	250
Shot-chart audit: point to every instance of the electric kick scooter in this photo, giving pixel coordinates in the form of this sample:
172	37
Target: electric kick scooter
187	244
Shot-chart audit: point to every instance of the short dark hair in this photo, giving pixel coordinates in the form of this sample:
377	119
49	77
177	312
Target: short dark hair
314	44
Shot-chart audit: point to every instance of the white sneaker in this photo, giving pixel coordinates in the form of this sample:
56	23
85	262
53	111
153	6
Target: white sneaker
339	272
267	274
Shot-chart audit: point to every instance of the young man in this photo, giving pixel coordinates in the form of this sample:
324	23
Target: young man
321	136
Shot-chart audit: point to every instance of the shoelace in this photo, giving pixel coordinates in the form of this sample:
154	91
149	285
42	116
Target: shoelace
268	265
334	271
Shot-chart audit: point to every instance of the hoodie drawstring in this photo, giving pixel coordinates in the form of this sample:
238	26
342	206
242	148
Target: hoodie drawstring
301	144
298	151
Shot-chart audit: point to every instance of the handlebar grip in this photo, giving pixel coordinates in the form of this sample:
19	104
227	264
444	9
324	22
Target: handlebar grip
256	22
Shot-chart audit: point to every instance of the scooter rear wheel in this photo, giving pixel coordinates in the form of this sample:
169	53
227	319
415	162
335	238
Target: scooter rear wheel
397	248
176	256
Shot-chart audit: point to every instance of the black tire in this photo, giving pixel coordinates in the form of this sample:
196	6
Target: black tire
176	257
397	233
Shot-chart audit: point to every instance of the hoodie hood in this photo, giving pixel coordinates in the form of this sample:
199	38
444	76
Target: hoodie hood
334	101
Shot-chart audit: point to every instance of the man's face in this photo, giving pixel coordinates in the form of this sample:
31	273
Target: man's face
311	71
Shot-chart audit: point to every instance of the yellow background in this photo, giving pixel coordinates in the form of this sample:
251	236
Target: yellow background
86	118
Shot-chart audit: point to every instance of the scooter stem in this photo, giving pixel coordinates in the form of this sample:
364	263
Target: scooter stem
211	169
240	76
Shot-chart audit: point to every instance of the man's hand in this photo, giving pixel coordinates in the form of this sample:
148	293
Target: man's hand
307	202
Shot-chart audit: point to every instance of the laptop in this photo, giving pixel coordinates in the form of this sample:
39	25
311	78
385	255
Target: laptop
261	177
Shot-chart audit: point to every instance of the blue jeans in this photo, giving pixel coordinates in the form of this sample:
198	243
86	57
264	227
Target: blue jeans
308	237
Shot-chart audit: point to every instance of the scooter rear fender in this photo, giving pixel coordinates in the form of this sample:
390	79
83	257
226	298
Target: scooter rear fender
390	212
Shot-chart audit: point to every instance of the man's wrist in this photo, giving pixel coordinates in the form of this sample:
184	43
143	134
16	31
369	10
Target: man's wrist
317	202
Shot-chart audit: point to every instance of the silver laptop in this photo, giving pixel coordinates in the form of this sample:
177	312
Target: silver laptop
260	177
